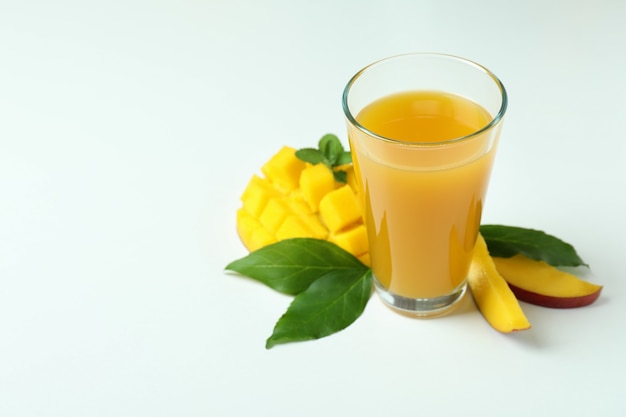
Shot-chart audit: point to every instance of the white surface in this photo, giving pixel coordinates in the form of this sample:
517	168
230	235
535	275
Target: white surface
128	130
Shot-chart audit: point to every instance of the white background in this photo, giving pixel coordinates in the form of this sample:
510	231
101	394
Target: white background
128	130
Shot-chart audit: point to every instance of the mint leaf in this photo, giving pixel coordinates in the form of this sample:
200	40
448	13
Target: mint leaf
329	305
331	147
344	158
291	265
507	241
341	176
311	155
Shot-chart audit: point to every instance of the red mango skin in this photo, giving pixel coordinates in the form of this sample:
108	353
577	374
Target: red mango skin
554	302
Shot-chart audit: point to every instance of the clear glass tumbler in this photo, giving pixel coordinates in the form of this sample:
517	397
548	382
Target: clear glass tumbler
423	131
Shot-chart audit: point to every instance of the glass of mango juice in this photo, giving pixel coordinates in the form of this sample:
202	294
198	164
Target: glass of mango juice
423	131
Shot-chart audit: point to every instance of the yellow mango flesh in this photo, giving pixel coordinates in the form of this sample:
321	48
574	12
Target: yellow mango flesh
284	169
539	283
297	199
492	294
315	182
340	208
541	278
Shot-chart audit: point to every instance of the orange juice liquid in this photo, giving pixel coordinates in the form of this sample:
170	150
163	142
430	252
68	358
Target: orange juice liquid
423	202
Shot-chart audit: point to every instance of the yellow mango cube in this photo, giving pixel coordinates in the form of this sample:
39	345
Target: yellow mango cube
274	214
315	226
292	227
261	237
353	240
297	204
284	169
246	225
257	194
315	182
340	208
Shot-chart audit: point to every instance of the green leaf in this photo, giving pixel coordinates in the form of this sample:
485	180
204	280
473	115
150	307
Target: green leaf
311	155
291	265
341	176
507	241
329	305
331	148
344	158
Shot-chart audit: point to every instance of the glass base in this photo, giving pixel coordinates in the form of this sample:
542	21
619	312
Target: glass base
421	307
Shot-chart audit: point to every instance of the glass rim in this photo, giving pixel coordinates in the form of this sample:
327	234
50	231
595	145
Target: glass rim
494	120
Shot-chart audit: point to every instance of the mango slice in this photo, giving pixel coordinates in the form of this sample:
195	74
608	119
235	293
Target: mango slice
298	199
539	283
492	294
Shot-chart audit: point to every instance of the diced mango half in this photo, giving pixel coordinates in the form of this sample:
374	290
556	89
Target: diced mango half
297	199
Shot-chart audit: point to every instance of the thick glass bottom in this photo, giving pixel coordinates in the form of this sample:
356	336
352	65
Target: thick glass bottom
421	307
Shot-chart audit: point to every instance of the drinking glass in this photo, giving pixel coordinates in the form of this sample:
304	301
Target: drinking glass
423	131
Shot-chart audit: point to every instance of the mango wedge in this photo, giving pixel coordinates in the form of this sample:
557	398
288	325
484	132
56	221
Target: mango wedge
492	294
538	283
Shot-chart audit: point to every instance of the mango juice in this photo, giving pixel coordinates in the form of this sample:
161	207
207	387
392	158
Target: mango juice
423	166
